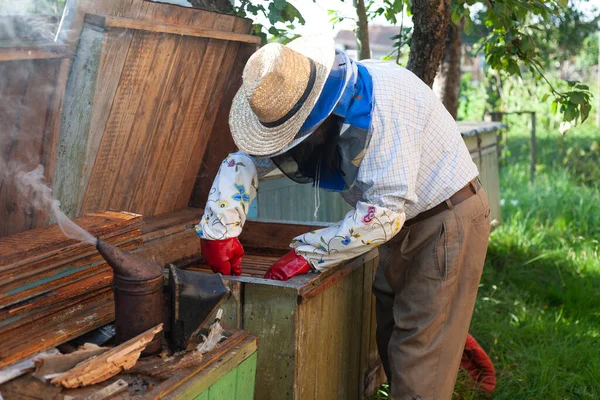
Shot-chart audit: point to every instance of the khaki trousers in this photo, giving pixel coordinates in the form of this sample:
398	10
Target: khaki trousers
425	287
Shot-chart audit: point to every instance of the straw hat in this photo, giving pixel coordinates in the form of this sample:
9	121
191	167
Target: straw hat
281	85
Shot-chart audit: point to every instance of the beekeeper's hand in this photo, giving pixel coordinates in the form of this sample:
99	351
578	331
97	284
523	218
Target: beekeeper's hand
289	265
223	256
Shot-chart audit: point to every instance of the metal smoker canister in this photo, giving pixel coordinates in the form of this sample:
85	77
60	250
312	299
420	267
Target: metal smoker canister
137	285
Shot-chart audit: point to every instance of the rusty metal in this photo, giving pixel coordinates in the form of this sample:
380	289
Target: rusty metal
138	286
195	295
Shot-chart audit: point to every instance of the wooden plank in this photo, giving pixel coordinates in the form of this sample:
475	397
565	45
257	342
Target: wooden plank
273	236
179	181
224	388
220	143
76	118
41	243
333	349
180	218
266	307
40	52
212	372
14	316
26	125
56	329
116	22
170	131
13	79
189	382
223	59
203	396
115	48
109	391
106	365
51	137
65	257
179	248
53	279
125	107
133	166
246	377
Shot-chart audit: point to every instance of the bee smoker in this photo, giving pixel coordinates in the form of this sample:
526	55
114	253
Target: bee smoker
138	286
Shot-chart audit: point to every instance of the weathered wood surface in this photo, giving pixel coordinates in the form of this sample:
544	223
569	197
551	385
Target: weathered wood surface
220	143
106	365
216	364
53	289
27	108
55	329
317	331
33	52
49	367
471	128
27	247
110	84
159	123
128	23
484	152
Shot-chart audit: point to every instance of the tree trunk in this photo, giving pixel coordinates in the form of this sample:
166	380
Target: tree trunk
220	6
362	31
430	18
447	82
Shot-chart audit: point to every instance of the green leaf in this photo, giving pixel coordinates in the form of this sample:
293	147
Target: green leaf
554	107
513	68
576	97
545	97
570	113
468	26
563	3
585	111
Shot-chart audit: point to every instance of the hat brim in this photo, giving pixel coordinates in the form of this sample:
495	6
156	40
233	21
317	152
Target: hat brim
250	135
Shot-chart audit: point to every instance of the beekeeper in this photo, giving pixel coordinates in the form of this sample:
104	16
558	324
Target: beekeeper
377	134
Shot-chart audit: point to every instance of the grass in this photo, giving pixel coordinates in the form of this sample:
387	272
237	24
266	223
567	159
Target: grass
538	307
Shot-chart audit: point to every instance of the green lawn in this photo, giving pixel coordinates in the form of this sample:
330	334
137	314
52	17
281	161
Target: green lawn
538	309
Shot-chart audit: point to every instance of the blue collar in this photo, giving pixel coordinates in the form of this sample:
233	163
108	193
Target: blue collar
348	93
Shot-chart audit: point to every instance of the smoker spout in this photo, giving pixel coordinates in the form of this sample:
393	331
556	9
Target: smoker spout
126	264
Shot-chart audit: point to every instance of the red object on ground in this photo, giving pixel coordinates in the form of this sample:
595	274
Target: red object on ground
287	266
223	256
479	365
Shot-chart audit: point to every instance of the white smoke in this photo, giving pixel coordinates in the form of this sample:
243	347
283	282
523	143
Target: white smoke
32	188
22	22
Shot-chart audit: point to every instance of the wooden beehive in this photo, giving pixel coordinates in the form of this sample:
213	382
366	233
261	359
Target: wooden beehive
316	332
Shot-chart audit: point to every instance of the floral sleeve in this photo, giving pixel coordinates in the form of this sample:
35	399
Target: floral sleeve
361	230
233	190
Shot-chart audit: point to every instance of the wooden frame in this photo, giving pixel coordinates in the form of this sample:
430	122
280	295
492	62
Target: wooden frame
128	23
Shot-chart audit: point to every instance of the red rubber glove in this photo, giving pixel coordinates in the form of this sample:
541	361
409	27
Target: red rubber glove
223	256
478	365
289	265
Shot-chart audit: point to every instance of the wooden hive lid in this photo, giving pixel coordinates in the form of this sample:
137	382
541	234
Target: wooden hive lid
134	116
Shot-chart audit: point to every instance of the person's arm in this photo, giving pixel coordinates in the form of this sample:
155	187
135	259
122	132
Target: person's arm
230	196
391	167
362	229
233	190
